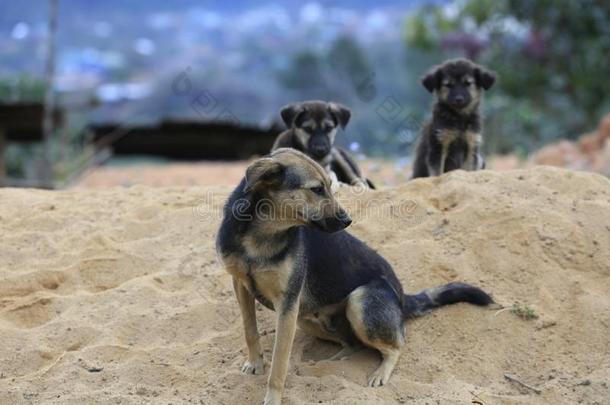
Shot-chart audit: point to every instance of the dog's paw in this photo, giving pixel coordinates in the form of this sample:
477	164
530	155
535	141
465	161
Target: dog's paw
335	185
254	367
273	398
380	377
376	380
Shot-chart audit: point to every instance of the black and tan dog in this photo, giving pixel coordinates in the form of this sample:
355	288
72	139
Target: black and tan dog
282	239
312	127
452	139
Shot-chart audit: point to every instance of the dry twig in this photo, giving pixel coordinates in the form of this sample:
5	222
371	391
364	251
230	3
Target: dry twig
515	379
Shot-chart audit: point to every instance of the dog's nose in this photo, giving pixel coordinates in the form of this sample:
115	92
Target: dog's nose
344	218
319	151
459	99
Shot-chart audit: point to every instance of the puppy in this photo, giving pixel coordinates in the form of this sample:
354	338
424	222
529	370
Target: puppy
451	140
312	127
282	239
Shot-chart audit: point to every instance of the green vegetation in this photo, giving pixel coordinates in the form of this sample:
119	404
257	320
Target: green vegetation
551	56
68	148
22	88
524	312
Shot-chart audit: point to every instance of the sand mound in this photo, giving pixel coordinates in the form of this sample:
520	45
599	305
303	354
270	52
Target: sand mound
591	152
115	296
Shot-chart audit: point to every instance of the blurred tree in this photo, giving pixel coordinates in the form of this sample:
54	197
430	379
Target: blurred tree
349	63
551	56
305	76
21	89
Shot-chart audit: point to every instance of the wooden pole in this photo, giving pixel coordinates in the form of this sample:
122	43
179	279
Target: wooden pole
2	165
48	126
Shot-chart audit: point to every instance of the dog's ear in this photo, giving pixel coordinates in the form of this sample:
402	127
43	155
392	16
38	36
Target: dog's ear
265	172
290	113
341	113
432	80
484	77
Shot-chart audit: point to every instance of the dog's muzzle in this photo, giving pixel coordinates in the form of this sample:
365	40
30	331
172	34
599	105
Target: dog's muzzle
319	146
335	223
459	101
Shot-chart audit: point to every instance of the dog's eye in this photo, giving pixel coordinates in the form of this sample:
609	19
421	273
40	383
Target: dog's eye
319	190
468	82
448	85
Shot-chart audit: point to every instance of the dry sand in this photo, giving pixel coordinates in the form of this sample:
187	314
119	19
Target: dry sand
210	173
116	296
165	175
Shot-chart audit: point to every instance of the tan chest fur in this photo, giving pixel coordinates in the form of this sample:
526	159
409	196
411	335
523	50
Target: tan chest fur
270	281
447	136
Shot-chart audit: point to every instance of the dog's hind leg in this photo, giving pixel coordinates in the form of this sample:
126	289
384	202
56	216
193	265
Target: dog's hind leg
345	352
315	329
375	314
330	324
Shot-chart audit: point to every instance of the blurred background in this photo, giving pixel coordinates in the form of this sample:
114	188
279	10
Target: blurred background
96	94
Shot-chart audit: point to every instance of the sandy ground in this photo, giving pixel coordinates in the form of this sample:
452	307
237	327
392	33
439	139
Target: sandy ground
116	296
164	175
208	173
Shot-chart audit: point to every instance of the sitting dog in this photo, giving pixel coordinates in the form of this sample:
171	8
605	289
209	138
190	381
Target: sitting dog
282	239
451	140
312	126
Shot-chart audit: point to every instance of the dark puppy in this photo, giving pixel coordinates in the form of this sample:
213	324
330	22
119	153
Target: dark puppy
451	140
282	240
312	127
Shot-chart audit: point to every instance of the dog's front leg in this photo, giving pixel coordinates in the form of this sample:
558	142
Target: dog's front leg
480	165
444	152
445	138
334	181
472	158
254	364
347	173
470	164
284	336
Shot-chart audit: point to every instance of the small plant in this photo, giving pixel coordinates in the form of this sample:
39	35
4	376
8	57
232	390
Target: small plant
524	312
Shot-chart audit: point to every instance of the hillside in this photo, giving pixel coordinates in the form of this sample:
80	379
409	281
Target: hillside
116	296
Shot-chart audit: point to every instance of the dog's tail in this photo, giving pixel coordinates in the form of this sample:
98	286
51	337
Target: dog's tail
430	298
